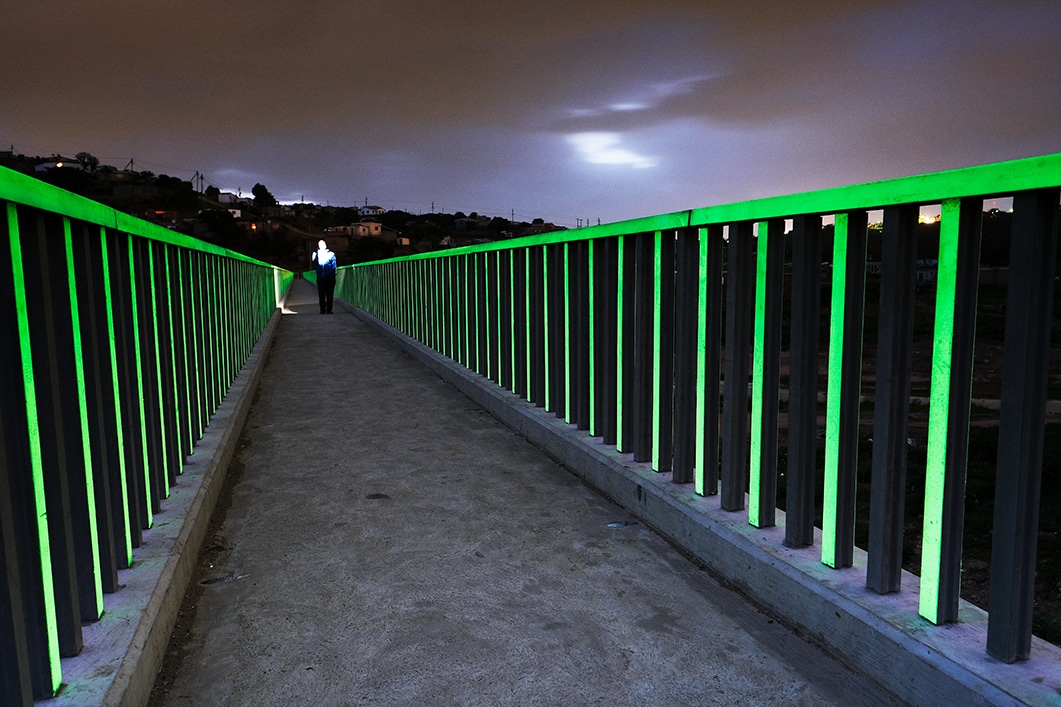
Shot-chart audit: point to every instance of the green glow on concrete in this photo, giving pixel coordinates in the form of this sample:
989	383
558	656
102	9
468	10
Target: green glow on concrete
620	363
758	358
569	370
939	410
700	464
832	407
118	420
82	406
36	462
163	438
133	297
592	247
657	346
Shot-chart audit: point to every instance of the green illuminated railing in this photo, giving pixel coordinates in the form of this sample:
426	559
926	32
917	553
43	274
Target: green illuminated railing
118	341
619	330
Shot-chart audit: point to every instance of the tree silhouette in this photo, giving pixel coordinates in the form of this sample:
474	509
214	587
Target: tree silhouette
262	196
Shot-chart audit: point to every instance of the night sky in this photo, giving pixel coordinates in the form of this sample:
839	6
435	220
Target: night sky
555	109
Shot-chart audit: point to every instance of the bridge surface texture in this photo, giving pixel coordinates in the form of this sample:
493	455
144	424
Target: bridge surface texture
385	541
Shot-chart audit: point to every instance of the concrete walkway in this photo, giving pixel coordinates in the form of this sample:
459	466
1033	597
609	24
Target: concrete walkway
387	542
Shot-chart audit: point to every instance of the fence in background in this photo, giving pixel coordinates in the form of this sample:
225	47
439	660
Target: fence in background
619	329
118	341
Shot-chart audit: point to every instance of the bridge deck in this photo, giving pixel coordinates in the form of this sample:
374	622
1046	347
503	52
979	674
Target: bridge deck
386	541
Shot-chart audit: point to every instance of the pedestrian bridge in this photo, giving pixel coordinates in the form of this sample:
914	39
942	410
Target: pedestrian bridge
648	357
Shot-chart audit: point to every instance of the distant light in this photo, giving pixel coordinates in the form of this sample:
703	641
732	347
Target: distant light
58	164
604	148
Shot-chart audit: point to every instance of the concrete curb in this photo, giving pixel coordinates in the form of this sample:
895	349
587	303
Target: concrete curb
124	650
880	636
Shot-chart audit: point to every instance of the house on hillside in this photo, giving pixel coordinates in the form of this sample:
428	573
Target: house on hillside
371	211
364	229
59	163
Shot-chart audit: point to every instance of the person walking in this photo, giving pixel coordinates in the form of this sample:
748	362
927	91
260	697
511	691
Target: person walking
326	265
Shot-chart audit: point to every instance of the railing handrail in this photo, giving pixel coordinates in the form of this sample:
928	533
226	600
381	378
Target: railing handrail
23	189
119	340
619	329
987	180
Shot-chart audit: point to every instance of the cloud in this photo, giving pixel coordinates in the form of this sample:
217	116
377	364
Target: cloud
460	101
607	149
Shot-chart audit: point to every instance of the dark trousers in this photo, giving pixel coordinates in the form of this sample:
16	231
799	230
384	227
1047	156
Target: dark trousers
325	292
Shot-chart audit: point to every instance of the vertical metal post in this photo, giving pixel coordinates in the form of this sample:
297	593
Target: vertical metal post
643	341
536	324
519	323
25	482
606	335
101	436
766	373
57	422
482	318
663	348
624	421
567	320
82	487
448	307
1026	363
126	387
740	282
803	381
591	340
115	463
686	305
845	378
708	359
490	313
892	398
148	360
948	415
505	323
467	310
579	327
557	296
